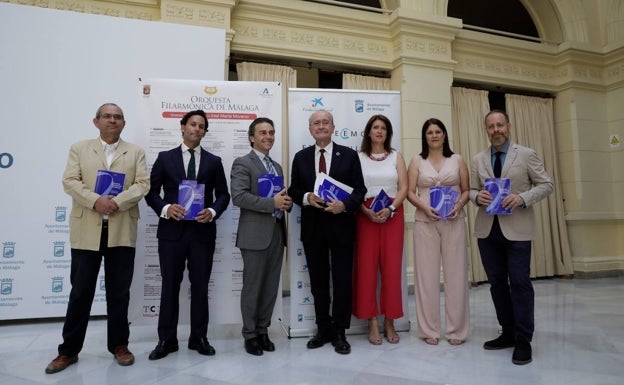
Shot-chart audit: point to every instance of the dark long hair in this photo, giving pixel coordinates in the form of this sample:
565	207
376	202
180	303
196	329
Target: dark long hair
365	147
446	148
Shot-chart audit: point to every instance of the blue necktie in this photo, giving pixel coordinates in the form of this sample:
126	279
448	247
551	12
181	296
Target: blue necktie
498	167
269	165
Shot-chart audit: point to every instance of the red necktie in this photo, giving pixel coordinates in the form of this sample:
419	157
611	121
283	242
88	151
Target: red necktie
322	166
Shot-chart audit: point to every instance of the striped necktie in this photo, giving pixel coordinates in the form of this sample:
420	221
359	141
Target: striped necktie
271	170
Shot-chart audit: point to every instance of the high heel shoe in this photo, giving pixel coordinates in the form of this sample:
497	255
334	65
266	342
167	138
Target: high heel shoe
373	332
389	332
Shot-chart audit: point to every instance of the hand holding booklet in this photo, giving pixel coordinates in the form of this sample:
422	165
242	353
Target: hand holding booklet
499	188
191	197
381	201
269	185
109	182
442	198
327	187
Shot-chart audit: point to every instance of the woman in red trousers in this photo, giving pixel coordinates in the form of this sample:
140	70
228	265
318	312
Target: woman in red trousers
379	239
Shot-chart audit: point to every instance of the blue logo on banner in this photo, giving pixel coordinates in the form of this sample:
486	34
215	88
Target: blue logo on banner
57	284
102	283
6	286
307	300
60	214
317	102
299	317
59	249
8	249
299	284
359	106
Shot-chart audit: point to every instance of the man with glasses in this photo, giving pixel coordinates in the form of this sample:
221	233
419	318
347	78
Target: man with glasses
505	239
102	224
328	228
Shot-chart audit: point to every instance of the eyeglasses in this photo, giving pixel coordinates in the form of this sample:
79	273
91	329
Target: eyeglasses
317	123
114	116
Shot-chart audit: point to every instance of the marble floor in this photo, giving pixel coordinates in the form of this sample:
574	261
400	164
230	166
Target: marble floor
579	340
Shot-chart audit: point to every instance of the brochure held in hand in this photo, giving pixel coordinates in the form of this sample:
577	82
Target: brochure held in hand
381	201
499	188
269	185
109	182
191	197
327	187
442	198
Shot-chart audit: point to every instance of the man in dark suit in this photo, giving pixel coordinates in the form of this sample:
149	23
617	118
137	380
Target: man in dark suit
186	241
328	228
102	226
261	234
505	240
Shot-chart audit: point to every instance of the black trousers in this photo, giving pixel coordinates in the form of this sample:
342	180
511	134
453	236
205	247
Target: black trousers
330	258
196	255
508	268
85	267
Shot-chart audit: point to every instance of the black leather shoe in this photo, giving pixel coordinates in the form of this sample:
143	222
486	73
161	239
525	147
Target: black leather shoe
341	345
522	353
252	346
502	342
202	346
266	344
162	349
320	339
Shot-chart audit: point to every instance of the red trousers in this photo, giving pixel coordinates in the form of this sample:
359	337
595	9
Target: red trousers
378	253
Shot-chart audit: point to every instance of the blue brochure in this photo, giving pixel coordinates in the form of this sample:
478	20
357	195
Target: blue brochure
109	182
442	198
269	185
499	188
381	201
328	189
191	197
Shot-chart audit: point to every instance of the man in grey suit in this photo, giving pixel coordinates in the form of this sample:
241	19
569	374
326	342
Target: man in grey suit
261	234
505	240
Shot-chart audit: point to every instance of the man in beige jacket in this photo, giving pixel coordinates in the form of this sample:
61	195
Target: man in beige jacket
505	240
102	226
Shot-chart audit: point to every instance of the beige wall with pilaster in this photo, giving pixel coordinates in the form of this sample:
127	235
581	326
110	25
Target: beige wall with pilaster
424	51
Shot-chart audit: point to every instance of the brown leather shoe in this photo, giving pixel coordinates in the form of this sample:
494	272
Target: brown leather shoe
123	356
60	363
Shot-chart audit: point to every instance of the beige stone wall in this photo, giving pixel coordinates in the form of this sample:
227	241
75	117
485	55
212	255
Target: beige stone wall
425	51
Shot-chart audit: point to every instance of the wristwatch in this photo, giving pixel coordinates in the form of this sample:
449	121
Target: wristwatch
392	210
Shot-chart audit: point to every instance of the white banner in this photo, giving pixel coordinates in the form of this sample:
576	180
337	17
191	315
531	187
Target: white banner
52	82
351	110
230	107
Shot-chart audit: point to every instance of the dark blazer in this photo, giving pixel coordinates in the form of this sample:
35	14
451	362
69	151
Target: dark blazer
345	167
256	219
167	173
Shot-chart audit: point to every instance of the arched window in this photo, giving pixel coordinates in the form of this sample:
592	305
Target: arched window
495	15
